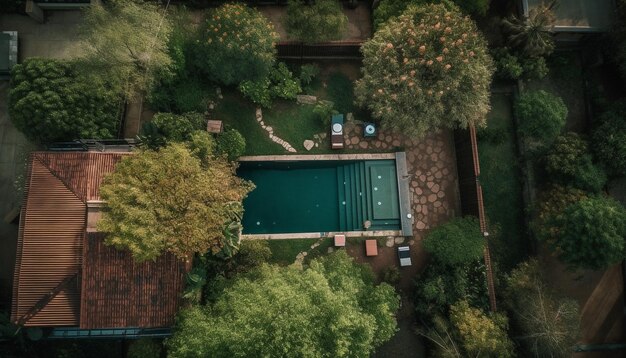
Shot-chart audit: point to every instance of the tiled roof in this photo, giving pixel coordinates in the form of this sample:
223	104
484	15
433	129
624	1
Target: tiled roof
120	293
53	245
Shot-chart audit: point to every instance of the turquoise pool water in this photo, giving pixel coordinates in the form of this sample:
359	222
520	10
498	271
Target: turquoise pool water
320	196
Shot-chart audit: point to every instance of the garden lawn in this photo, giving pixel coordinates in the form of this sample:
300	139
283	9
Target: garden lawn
284	252
502	188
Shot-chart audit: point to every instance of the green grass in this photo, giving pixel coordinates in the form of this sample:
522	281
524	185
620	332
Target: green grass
340	90
295	123
502	188
284	252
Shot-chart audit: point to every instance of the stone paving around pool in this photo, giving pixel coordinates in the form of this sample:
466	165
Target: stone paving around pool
431	163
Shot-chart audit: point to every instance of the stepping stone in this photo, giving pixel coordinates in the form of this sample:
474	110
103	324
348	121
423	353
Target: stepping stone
363	145
269	129
317	145
330	250
308	144
396	143
441	194
398	240
354	140
306	99
390	241
432	198
420	225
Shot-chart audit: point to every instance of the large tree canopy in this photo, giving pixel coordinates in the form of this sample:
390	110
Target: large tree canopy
49	101
591	233
331	309
426	69
236	43
169	201
126	44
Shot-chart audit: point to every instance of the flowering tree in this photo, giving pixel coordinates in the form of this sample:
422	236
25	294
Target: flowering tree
236	43
428	68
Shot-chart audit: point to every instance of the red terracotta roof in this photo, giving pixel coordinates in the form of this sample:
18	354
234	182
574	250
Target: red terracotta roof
120	293
53	245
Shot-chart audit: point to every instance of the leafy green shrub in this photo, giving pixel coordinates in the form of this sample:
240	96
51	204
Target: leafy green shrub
440	285
190	96
231	143
412	82
541	116
319	21
609	140
169	127
144	348
252	253
552	203
236	43
279	84
591	233
456	242
257	91
391	275
568	162
324	110
508	66
201	145
535	68
532	35
49	101
481	335
308	72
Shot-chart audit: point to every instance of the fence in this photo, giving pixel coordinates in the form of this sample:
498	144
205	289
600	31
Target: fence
345	50
468	166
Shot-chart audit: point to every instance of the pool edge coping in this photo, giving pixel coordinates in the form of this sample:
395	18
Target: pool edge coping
313	157
320	235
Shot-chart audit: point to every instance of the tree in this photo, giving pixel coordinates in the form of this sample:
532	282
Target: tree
144	348
126	45
456	242
49	101
568	162
544	324
481	335
331	309
280	83
532	35
609	140
167	201
427	69
168	127
320	21
552	203
541	117
591	233
236	43
387	9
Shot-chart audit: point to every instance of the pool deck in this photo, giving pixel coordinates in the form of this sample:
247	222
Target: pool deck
305	157
319	235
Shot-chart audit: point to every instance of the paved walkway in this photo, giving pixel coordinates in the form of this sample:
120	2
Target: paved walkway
431	163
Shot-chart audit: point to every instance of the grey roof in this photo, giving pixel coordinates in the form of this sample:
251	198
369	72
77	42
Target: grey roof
579	15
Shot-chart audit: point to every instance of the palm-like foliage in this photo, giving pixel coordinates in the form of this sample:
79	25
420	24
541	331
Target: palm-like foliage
532	34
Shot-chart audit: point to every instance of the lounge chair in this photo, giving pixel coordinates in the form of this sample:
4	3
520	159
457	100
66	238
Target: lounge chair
336	131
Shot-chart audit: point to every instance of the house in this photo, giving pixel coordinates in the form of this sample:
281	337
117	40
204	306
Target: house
577	19
65	277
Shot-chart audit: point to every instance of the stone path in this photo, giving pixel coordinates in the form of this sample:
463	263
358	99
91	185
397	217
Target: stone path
431	163
300	257
270	130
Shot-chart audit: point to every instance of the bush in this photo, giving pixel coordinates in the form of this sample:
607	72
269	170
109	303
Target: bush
168	127
324	110
551	204
279	84
308	73
412	82
458	241
391	275
568	162
609	140
144	348
49	101
495	136
231	143
535	68
591	233
439	286
201	145
319	21
508	66
541	116
236	43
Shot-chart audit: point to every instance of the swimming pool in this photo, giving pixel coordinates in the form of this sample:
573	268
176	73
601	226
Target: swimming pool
319	196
